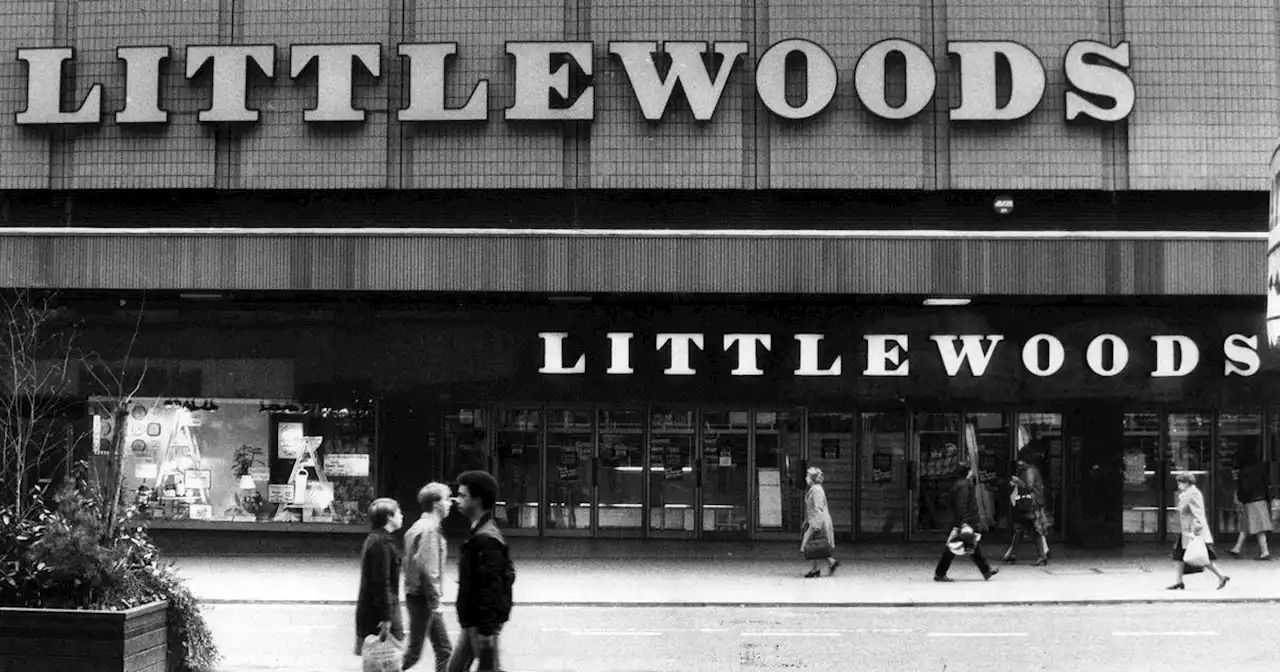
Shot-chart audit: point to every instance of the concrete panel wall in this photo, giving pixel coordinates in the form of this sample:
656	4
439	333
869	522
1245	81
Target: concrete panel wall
1205	119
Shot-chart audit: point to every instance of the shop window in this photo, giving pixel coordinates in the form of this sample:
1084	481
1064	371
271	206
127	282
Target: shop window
1239	447
1141	454
1190	449
570	468
620	468
517	444
237	461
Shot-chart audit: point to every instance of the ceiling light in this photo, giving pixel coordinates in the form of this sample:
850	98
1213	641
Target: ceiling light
946	302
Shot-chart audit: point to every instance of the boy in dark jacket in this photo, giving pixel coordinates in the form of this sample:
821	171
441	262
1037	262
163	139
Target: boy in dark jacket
964	504
485	576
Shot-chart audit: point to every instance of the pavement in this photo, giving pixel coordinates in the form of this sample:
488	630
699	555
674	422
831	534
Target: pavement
566	572
1138	638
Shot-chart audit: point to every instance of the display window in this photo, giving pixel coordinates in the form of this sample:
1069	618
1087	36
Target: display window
242	461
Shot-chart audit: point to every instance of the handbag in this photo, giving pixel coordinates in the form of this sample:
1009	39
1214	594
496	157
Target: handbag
1196	553
382	652
818	547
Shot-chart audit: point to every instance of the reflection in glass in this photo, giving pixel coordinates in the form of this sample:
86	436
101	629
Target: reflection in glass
938	443
779	472
724	470
671	481
1140	448
517	445
831	449
986	441
620	468
570	466
1239	446
1190	449
464	441
882	460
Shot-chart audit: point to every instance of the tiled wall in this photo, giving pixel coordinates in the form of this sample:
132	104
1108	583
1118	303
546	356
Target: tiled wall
1206	117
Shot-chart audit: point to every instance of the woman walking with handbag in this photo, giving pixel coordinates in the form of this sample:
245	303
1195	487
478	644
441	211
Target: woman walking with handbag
1195	539
819	534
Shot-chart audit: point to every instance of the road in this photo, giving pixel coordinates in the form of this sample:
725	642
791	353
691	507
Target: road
1236	637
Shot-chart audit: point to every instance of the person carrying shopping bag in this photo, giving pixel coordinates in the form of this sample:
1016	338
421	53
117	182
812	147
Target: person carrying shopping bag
1195	543
964	507
819	539
378	602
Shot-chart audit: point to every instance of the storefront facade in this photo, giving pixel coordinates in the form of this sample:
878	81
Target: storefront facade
647	267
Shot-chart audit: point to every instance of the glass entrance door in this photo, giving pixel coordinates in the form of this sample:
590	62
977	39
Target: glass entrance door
518	447
673	487
779	472
938	445
882	480
570	470
724	454
620	478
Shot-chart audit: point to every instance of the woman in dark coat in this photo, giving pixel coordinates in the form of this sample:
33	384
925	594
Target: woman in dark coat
1253	490
379	599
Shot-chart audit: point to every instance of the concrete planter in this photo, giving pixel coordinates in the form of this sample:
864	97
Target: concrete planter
45	640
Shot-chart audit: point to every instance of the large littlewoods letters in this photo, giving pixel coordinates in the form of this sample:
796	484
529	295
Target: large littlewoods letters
1097	74
1042	355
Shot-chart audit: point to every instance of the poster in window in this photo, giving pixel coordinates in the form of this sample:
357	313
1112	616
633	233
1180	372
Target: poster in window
831	449
197	478
726	458
289	440
673	464
881	467
568	473
1135	467
347	464
584	450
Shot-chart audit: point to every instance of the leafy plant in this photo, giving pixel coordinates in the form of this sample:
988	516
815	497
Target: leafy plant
244	459
75	547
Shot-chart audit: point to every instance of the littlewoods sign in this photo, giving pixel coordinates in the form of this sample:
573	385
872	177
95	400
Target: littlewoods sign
1042	355
1099	86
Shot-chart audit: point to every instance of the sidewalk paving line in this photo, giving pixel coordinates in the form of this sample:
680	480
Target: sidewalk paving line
977	634
818	605
1206	633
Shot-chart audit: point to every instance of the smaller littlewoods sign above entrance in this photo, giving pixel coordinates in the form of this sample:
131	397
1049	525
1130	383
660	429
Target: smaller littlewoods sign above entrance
553	80
1042	355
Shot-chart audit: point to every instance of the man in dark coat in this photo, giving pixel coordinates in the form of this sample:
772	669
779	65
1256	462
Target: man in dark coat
964	506
485	576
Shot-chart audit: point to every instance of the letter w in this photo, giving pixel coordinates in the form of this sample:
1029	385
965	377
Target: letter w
970	349
687	68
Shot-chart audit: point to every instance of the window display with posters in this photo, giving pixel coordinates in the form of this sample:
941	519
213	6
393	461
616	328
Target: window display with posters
232	461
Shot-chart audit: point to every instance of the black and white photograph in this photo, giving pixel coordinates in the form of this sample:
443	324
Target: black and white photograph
639	335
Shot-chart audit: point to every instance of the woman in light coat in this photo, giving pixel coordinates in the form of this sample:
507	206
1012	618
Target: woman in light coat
817	521
1194	525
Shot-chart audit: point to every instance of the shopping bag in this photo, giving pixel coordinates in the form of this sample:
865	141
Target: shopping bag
818	547
963	541
1196	553
382	652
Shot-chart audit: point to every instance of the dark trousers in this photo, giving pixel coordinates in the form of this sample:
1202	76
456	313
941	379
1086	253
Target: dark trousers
944	563
468	650
425	622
